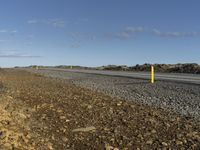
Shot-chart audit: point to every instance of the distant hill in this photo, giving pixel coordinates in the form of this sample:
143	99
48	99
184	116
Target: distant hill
165	68
168	68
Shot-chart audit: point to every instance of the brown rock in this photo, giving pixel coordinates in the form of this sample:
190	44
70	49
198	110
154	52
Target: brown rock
87	129
65	139
179	142
149	142
164	144
108	147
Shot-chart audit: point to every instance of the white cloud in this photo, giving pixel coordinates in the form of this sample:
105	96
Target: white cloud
3	31
122	34
30	37
80	21
14	54
8	31
76	45
174	34
18	56
13	31
134	29
32	21
126	33
58	23
130	32
78	36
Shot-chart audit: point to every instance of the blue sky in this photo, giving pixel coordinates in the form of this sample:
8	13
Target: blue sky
98	32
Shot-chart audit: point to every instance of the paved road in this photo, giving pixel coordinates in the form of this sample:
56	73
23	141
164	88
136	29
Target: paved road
176	77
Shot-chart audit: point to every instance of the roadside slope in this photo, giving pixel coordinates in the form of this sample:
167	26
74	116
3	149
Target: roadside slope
64	116
174	97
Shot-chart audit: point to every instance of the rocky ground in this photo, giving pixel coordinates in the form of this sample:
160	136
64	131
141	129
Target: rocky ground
47	113
183	99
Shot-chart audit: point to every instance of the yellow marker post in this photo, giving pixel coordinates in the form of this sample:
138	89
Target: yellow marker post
152	74
71	67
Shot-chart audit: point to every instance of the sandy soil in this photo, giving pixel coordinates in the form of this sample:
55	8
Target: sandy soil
43	113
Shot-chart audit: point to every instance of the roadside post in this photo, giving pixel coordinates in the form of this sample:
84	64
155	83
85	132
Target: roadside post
152	74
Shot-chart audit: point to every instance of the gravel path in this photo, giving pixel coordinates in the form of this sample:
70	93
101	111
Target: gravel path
180	98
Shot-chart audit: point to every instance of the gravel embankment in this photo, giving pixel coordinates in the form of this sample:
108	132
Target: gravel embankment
41	113
180	98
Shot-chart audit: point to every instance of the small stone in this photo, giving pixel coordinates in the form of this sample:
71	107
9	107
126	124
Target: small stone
164	144
28	136
112	140
8	145
64	139
179	142
108	147
59	111
149	142
133	106
140	136
52	137
119	104
2	134
62	117
67	120
194	146
87	129
50	146
89	106
106	129
111	110
153	131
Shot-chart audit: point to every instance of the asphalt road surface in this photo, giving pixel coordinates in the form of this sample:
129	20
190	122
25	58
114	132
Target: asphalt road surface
175	77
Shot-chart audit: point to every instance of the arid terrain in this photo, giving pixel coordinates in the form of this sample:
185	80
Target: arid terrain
46	113
191	68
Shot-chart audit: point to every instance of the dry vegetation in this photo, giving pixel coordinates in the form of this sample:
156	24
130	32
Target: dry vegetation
167	68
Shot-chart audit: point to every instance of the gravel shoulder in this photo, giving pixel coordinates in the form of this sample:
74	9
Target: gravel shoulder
182	99
48	113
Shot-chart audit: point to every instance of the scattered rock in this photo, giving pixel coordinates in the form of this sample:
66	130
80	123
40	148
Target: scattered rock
50	146
2	134
164	144
119	104
87	129
118	126
65	139
179	142
153	131
150	142
108	147
89	106
62	117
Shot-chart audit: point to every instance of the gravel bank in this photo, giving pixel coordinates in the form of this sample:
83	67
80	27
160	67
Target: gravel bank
180	98
39	113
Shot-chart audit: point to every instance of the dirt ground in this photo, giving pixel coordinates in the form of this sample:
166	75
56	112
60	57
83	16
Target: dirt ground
40	113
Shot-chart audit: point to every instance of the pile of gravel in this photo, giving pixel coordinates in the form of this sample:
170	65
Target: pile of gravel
178	98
